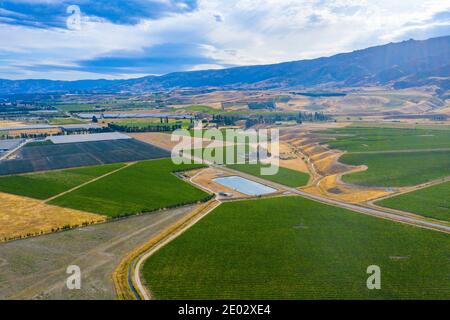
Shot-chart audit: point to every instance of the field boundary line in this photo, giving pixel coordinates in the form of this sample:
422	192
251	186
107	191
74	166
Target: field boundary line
145	293
13	151
372	205
191	180
102	248
418	187
123	275
401	151
382	214
127	165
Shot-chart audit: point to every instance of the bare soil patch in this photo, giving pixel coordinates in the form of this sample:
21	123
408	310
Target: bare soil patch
324	166
163	140
35	268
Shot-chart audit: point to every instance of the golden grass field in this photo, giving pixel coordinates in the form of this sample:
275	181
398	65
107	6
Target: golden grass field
289	159
21	217
9	123
35	131
331	187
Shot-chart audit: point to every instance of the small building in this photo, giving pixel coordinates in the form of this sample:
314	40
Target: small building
75	138
81	128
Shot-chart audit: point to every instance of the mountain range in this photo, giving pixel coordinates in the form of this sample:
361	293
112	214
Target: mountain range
404	64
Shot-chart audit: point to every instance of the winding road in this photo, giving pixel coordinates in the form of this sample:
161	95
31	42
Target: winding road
354	207
134	273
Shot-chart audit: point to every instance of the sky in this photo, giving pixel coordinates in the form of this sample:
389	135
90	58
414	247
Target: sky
116	39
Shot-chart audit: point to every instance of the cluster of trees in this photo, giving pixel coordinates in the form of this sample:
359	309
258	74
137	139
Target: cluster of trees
314	117
268	118
166	127
82	130
262	105
225	120
42	232
25	136
277	117
22	108
439	117
320	94
14	111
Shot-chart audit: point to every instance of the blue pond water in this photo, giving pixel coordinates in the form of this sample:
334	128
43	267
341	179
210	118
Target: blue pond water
244	186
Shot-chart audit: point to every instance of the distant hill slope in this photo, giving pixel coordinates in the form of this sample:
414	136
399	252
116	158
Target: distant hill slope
406	64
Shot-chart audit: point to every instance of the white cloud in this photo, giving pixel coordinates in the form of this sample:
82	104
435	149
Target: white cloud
248	32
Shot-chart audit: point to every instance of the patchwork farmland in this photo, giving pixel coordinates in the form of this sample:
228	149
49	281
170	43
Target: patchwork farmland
152	122
293	248
142	187
96	205
283	247
31	268
364	139
76	197
394	157
59	156
48	184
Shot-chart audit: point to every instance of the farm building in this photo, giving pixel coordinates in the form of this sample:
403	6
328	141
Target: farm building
133	116
71	154
76	128
88	137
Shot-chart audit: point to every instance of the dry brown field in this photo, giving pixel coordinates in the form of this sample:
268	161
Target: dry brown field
21	217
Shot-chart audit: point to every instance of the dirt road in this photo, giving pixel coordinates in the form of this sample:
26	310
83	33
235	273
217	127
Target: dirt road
135	267
35	268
